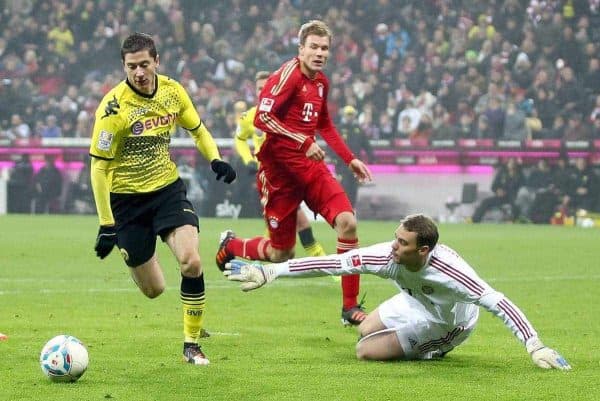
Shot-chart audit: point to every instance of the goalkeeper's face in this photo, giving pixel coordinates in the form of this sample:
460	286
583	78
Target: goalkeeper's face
140	68
405	250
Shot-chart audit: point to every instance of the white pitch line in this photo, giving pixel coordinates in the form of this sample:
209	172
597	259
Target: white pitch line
224	285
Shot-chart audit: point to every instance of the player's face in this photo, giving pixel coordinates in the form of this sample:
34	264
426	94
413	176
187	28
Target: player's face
313	54
260	84
405	250
140	68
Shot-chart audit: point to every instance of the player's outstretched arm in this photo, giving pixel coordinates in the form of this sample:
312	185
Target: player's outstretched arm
251	275
545	357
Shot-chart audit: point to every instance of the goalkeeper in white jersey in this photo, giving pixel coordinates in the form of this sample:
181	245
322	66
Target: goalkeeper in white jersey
437	307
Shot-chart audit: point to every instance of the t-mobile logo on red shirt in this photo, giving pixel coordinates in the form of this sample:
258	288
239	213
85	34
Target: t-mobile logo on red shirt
307	111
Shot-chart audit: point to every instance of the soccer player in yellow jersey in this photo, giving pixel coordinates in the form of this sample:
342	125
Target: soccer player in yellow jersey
246	131
137	189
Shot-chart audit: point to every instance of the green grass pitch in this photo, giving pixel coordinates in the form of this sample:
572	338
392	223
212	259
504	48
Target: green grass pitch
285	342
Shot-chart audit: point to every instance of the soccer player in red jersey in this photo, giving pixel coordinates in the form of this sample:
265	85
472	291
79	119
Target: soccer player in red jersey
292	108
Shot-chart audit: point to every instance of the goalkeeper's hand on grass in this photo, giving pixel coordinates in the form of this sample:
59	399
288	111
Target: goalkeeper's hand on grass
545	357
251	275
105	241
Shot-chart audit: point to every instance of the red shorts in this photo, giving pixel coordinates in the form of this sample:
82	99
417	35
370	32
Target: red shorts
282	192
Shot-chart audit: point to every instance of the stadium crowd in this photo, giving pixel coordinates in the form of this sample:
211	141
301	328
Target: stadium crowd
437	69
423	69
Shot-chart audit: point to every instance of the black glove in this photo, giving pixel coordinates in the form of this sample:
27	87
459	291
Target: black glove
252	167
223	169
106	240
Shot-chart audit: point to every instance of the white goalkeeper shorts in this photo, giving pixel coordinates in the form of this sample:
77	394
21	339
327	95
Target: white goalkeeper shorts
422	336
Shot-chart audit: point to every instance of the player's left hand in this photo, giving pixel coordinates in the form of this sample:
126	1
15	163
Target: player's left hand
545	357
105	241
360	170
223	169
251	275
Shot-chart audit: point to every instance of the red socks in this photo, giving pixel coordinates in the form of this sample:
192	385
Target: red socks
253	248
350	283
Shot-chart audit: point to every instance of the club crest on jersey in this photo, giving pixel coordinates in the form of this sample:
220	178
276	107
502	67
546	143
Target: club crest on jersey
266	104
273	222
320	88
104	140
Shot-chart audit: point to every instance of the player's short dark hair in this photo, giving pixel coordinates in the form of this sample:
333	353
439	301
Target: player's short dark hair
424	226
313	27
138	42
261	75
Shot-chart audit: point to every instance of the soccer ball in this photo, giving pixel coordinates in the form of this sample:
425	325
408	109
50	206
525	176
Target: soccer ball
64	359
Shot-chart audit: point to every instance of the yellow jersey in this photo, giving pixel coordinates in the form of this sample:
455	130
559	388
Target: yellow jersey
133	131
246	130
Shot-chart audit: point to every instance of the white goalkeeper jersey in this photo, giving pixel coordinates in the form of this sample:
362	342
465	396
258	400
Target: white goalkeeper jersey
446	286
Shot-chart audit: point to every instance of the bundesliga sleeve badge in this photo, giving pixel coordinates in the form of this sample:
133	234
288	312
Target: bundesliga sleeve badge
104	140
266	104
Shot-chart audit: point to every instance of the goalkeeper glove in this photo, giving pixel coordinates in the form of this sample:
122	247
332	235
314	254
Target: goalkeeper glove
105	241
223	169
545	357
252	275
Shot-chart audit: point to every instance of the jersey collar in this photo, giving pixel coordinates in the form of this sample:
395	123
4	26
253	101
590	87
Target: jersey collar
150	96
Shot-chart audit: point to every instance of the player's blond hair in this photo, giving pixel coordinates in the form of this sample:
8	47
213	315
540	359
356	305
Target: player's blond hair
313	27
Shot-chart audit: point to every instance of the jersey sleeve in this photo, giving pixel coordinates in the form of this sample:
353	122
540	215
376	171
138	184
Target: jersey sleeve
188	117
243	132
108	129
468	287
279	90
331	135
375	259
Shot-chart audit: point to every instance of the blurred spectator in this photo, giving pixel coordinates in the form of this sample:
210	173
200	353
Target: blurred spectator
20	186
18	128
515	126
51	130
584	184
61	39
538	183
575	129
80	199
569	93
47	187
507	182
359	144
495	115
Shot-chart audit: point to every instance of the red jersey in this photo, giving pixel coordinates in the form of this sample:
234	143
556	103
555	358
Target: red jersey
291	109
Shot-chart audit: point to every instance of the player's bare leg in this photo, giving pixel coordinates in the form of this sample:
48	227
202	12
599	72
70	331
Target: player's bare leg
352	311
149	277
377	342
183	242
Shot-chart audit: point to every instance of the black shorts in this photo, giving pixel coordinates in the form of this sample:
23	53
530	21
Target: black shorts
141	217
